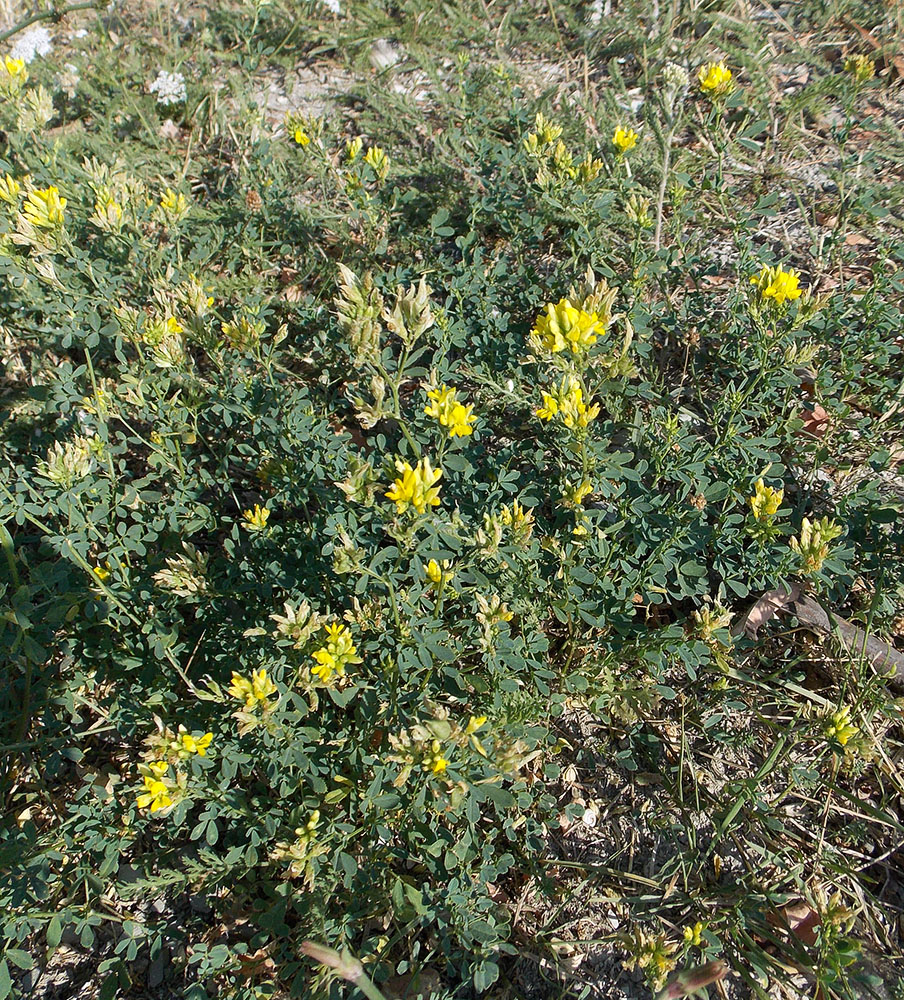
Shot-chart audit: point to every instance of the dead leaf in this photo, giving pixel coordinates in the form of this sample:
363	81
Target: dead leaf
816	421
765	609
799	918
422	983
857	240
256	965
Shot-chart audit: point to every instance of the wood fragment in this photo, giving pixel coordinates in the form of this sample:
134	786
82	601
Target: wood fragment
880	655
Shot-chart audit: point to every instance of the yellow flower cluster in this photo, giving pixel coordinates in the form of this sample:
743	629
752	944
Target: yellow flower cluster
547	132
456	417
13	76
563	325
653	954
838	726
415	486
256	520
378	161
439	575
156	795
303	128
624	139
715	79
44	208
9	190
519	521
566	401
434	760
765	501
693	935
304	849
173	206
637	208
860	67
338	653
778	285
107	212
812	545
188	744
556	163
574	496
253	692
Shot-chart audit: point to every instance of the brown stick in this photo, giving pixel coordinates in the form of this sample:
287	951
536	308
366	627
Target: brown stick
881	656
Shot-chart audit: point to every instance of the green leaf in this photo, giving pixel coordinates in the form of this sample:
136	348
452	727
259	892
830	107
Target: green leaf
54	931
20	958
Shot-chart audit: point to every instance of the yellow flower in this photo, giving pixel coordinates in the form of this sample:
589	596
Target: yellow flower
338	653
624	139
353	149
765	501
839	727
860	67
694	935
44	208
547	131
779	285
378	161
637	209
476	722
574	495
252	692
434	761
567	402
256	520
13	76
102	573
812	545
9	190
173	206
588	169
437	574
155	796
107	212
415	486
190	745
445	408
303	128
715	79
518	520
563	326
549	408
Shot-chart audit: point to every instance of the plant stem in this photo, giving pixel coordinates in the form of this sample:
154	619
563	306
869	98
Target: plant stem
57	14
663	184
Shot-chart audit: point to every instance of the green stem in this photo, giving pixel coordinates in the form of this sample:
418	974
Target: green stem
6	540
57	14
663	184
365	985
